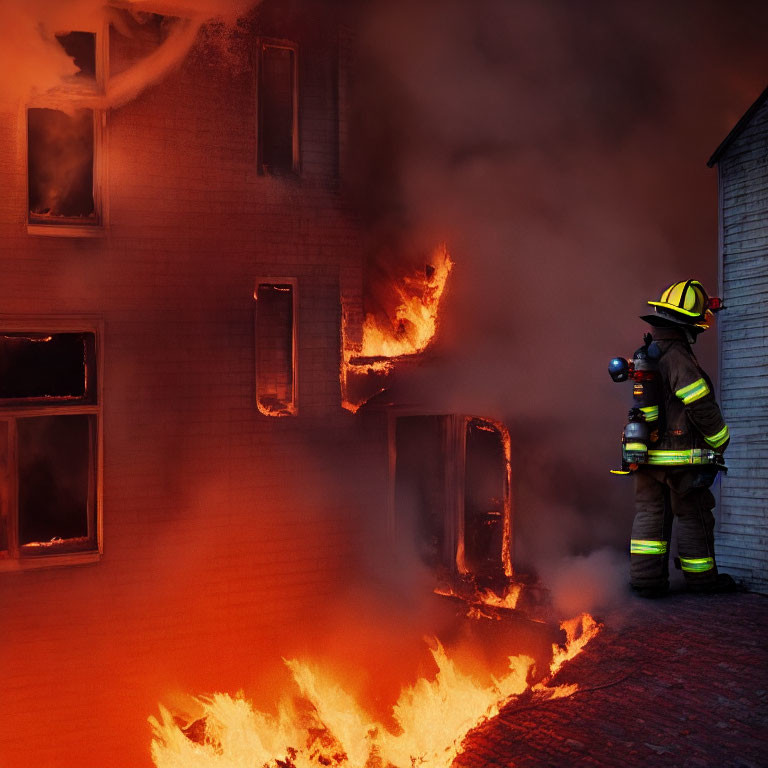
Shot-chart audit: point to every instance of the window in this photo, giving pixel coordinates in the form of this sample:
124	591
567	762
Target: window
50	438
485	490
276	346
64	145
451	494
278	114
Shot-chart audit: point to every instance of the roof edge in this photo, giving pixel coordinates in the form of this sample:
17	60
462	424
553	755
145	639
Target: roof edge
738	128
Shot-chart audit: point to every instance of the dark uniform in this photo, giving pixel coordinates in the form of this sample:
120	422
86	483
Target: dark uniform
675	481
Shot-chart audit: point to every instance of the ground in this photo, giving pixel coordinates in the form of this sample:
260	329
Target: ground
681	681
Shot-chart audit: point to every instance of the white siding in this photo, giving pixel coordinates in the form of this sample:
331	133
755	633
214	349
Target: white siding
742	535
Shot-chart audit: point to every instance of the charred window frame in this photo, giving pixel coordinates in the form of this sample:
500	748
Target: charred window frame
277	105
450	487
50	444
64	139
276	322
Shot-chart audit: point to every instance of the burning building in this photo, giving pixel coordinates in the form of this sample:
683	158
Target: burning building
183	342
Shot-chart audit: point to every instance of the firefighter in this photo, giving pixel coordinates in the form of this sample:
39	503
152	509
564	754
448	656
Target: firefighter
688	440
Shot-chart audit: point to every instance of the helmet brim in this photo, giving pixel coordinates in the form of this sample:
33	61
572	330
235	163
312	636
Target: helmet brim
662	321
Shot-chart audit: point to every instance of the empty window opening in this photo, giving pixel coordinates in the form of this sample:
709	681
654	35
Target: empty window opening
278	108
49	447
452	494
5	468
59	366
275	348
65	144
60	166
55	476
484	497
81	47
422	488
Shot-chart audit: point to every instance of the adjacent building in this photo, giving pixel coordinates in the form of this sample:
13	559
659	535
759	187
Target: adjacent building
742	163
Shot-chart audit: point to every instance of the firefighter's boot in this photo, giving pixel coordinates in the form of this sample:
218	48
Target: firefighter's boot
724	583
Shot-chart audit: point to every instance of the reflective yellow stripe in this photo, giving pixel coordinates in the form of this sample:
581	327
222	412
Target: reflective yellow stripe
651	412
672	458
697	564
647	547
635	447
719	438
693	392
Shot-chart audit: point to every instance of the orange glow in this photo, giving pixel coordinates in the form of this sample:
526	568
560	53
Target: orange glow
507	600
57	541
407	330
489	599
578	632
415	319
477	599
506	546
320	724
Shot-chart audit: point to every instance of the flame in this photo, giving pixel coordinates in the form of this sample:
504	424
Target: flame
57	541
407	330
478	599
507	600
490	599
321	724
415	318
578	632
506	546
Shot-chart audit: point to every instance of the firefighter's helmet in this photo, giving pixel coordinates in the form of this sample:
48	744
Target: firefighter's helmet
686	303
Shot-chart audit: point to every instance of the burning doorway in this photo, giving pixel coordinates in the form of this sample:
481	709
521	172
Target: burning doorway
451	487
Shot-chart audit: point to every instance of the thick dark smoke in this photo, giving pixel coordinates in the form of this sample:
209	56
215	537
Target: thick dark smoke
560	149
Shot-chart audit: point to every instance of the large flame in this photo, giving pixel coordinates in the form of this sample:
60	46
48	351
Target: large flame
322	725
407	329
414	323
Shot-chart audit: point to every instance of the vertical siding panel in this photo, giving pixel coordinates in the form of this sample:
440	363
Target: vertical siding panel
743	350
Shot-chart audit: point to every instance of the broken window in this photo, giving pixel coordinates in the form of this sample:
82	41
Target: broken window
4	482
57	366
54	482
452	494
49	438
484	498
422	487
276	347
277	87
81	48
60	166
63	145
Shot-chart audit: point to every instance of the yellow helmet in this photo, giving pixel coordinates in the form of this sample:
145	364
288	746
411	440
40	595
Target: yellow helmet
685	302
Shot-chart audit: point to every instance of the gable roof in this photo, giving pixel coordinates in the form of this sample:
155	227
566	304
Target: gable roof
738	128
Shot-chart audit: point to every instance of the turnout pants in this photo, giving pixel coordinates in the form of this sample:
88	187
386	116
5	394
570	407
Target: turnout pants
662	494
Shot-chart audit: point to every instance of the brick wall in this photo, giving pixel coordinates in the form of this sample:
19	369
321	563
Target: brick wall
223	529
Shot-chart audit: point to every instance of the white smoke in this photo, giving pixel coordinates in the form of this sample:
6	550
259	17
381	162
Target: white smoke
590	583
33	62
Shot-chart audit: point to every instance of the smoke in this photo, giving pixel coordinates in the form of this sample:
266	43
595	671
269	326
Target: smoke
33	61
591	583
560	151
